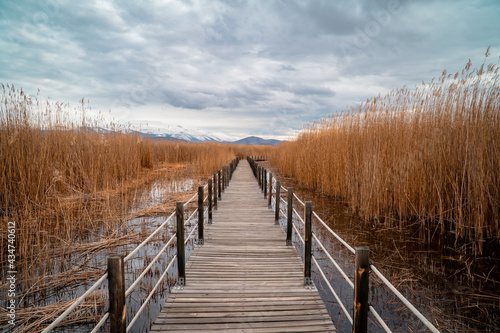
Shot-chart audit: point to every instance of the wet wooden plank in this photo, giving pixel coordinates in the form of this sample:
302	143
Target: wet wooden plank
245	278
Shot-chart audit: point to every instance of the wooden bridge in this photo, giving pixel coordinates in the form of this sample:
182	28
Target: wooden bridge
244	278
246	275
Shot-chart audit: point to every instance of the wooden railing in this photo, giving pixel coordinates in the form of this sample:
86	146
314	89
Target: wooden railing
115	273
271	187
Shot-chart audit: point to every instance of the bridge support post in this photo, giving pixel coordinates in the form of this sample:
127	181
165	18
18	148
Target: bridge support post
201	212
220	186
181	255
277	206
116	285
210	201
270	196
215	191
289	217
307	244
361	290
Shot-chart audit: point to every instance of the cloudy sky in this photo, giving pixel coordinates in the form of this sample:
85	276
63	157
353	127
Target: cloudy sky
236	67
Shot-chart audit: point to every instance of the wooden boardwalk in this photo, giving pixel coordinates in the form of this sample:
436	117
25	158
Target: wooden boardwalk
245	278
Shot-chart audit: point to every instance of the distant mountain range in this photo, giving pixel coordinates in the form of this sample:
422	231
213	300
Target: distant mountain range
159	130
256	141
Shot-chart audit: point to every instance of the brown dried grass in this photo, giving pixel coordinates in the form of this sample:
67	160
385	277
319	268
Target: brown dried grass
428	157
60	181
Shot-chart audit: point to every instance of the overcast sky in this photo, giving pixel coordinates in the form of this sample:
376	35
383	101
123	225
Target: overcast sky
238	67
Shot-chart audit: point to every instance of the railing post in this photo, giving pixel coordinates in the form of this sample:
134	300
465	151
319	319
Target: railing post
307	244
263	179
209	201
219	185
277	206
361	290
181	256
269	198
227	177
258	175
289	217
223	178
201	212
264	185
116	285
215	191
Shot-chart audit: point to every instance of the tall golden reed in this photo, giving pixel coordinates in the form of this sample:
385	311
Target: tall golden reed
428	157
59	179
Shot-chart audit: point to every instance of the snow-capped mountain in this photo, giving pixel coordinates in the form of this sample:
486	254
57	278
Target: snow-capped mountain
163	130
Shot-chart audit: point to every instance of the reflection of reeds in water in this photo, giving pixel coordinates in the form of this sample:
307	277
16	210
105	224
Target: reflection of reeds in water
428	157
66	186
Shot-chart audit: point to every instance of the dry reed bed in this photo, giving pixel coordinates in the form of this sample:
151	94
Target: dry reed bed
427	158
65	184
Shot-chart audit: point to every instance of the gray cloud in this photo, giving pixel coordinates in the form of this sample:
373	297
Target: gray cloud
257	66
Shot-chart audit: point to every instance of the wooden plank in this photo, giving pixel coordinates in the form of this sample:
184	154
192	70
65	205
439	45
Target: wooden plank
244	278
284	325
258	313
317	328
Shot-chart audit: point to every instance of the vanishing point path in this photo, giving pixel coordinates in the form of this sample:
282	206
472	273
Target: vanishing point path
244	278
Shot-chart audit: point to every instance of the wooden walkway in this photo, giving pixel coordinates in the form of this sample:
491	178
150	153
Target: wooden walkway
245	278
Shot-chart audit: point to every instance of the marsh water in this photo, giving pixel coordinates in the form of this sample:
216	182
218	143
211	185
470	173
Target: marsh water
456	292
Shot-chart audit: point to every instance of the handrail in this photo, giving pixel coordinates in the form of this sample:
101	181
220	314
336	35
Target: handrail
405	301
139	278
104	318
75	304
100	323
334	262
301	202
151	293
147	239
350	248
189	201
332	290
190	234
190	217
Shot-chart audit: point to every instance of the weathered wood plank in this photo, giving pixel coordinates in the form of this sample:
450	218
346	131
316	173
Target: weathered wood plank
245	278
